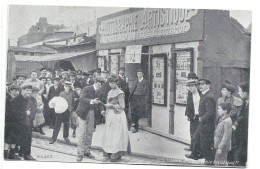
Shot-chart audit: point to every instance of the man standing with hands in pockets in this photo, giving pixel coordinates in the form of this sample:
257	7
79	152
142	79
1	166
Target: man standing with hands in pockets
89	102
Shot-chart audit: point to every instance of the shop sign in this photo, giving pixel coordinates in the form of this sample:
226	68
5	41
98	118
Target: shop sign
133	54
144	24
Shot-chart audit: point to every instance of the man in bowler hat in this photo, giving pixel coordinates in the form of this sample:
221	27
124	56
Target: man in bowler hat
138	99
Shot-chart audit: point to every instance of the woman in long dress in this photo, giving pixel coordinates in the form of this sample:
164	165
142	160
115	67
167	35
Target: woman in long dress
115	139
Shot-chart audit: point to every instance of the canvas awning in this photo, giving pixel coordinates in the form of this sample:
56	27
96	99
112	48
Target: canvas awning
85	61
52	57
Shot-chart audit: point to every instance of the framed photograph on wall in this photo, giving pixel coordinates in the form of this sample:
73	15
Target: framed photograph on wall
159	79
183	66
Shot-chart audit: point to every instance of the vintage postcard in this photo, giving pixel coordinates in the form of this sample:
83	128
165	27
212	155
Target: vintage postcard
157	86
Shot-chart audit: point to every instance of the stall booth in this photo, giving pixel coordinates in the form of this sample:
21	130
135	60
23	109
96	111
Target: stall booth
167	44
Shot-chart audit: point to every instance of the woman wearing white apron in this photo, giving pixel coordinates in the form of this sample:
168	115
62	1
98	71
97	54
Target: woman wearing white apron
115	139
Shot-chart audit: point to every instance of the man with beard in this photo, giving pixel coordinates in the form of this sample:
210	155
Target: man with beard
21	116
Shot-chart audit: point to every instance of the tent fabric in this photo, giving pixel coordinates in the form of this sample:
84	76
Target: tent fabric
85	63
53	57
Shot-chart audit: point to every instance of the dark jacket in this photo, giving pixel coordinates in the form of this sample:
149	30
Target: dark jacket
190	112
145	86
207	108
19	115
242	124
103	91
88	93
123	85
54	93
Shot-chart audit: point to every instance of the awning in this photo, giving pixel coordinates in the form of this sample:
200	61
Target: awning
52	57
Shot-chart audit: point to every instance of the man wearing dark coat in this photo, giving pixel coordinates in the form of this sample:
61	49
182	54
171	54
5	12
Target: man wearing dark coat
54	91
204	135
89	102
21	115
138	99
241	125
123	85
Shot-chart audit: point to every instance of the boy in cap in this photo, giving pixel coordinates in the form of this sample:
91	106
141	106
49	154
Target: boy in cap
21	116
10	134
139	97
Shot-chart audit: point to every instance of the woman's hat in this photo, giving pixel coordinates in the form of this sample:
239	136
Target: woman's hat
229	86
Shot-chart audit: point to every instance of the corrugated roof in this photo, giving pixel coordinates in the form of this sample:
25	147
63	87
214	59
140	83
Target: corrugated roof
53	57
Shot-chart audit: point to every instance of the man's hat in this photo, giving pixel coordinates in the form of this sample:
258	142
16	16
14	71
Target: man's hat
67	83
204	81
100	79
20	75
191	82
43	69
104	71
122	68
192	75
139	70
85	74
65	72
26	86
14	87
56	78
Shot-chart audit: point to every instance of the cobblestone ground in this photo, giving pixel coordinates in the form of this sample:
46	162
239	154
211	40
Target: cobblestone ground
43	151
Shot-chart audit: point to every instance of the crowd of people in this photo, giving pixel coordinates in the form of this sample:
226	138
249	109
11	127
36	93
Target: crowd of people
93	98
218	127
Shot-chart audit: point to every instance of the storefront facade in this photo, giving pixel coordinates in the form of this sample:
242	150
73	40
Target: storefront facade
167	45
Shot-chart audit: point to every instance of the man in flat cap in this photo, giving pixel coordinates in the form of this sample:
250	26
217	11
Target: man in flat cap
89	102
204	135
21	116
138	99
64	77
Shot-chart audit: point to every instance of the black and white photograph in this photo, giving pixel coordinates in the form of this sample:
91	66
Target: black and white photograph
127	85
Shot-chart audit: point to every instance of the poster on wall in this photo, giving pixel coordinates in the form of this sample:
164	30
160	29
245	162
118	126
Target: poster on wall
114	64
159	80
133	54
101	63
183	68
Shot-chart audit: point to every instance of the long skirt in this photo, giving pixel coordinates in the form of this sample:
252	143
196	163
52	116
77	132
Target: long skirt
116	136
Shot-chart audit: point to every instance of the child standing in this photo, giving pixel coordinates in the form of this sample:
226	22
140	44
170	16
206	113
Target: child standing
223	134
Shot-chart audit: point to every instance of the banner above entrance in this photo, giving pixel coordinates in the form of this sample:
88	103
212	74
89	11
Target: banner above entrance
153	26
133	54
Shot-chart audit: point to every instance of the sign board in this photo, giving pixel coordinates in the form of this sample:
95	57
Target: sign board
149	26
184	66
133	54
